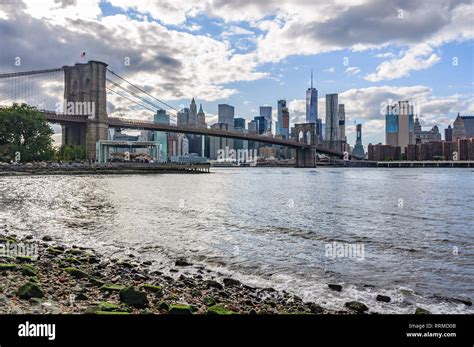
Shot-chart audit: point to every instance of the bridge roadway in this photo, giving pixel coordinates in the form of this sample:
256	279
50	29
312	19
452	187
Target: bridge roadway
54	117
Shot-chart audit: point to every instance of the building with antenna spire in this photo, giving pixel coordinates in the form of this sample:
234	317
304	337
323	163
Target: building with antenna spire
312	108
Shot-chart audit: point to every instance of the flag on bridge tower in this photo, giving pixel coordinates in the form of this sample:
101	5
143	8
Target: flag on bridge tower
83	56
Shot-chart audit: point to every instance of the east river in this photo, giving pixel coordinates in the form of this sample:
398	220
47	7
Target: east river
404	233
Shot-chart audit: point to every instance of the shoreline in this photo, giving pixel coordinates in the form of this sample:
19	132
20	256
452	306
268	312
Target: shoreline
68	279
31	169
77	280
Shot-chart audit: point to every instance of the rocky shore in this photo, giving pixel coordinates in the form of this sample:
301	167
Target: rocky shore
59	279
84	168
67	280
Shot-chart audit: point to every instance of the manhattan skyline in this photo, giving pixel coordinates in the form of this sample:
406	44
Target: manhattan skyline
249	55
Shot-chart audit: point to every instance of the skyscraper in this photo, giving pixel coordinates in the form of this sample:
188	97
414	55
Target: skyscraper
192	118
201	118
448	133
281	106
225	114
239	123
341	113
358	151
285	126
160	136
400	125
311	103
266	111
332	118
261	124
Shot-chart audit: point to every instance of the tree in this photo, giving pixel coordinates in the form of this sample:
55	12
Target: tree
24	129
70	153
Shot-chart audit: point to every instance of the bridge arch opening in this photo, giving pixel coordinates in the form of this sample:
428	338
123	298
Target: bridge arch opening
300	136
308	137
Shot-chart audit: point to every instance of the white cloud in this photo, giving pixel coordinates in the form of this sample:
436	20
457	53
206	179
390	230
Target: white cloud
418	57
329	69
352	70
236	31
385	55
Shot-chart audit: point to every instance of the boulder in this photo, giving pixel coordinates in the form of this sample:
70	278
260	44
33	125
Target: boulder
230	282
420	310
383	298
180	309
336	287
29	290
356	306
217	309
76	272
133	297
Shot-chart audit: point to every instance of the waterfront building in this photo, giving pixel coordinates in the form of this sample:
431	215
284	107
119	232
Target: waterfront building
189	159
463	127
464	149
381	152
358	151
422	136
400	125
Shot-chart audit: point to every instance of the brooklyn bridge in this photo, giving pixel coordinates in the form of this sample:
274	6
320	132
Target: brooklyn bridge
91	83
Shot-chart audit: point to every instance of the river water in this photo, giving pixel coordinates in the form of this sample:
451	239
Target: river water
411	230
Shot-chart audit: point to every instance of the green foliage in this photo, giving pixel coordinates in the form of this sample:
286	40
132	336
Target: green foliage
24	129
70	153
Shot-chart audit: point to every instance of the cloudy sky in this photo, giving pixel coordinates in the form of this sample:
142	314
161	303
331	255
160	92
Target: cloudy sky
251	53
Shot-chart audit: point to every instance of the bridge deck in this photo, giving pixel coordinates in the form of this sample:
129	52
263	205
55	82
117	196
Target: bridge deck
142	125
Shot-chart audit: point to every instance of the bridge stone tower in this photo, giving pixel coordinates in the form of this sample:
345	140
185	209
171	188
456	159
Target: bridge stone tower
306	133
85	89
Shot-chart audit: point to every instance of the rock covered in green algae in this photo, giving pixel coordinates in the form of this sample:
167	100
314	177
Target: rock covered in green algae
75	272
133	297
180	309
218	309
356	306
29	290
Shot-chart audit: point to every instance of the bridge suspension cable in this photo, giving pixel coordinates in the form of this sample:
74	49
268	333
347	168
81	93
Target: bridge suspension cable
156	107
143	91
40	88
133	101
